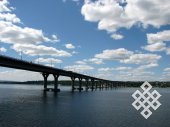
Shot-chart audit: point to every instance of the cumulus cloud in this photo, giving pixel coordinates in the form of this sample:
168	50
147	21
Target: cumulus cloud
20	75
107	13
80	62
94	60
141	59
167	69
112	15
117	36
158	37
114	54
155	47
128	75
9	17
168	51
3	6
24	39
125	56
157	41
48	60
69	46
116	69
55	38
4	13
147	66
2	49
13	34
79	68
41	50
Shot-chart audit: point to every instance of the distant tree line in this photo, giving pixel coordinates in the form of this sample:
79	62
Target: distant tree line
115	83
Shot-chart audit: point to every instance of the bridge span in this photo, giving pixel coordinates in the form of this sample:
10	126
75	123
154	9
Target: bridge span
90	81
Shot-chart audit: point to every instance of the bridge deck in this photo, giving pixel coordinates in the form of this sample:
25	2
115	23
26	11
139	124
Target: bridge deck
10	62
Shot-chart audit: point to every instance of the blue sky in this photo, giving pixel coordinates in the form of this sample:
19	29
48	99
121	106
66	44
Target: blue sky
112	39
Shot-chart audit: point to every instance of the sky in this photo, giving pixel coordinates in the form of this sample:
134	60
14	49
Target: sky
119	40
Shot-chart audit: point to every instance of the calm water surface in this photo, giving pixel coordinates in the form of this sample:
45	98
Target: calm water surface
29	106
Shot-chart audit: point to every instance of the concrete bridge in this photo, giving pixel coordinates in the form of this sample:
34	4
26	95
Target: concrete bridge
91	82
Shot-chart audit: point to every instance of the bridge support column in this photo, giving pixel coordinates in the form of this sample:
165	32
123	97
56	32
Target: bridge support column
96	85
80	85
45	76
111	85
106	85
92	83
100	85
87	84
56	83
73	83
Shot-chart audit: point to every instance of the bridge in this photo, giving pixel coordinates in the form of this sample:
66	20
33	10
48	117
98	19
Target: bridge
6	61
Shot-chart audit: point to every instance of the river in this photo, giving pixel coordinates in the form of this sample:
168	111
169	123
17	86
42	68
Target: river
29	106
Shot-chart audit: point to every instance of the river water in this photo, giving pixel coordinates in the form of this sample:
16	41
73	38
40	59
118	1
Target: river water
29	106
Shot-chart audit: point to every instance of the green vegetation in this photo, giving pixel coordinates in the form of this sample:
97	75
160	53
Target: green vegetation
116	83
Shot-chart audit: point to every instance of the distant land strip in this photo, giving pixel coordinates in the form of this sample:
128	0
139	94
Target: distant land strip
69	82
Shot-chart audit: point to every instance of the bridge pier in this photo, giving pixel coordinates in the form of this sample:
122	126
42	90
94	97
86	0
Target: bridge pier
100	85
80	85
92	84
73	83
87	84
96	85
107	85
112	85
56	83
45	76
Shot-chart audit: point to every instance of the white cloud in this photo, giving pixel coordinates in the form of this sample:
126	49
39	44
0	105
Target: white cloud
9	17
3	6
24	38
74	52
55	38
167	69
147	66
111	15
4	12
157	41
48	60
107	13
105	69
41	50
125	56
141	59
79	68
20	75
127	75
114	54
69	46
122	68
116	69
158	37
95	60
13	34
168	51
2	49
117	36
155	47
80	62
